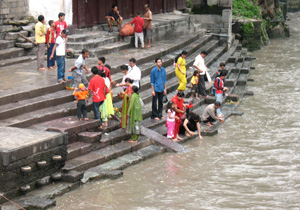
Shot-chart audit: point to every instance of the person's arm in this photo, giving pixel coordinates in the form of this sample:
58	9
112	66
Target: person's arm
73	68
47	38
149	18
178	110
89	95
185	122
86	69
165	82
132	22
75	89
199	130
212	113
152	80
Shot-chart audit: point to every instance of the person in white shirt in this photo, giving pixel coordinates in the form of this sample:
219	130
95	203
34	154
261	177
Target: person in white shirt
77	70
134	72
199	64
60	48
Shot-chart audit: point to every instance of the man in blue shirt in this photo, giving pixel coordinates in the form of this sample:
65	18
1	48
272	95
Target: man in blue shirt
159	88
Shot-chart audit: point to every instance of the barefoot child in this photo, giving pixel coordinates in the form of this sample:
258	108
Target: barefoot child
81	105
50	40
194	84
135	116
170	123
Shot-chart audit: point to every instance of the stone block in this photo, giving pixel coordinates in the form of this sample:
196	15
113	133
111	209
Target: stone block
212	2
225	3
72	176
6	28
14	35
27	45
90	137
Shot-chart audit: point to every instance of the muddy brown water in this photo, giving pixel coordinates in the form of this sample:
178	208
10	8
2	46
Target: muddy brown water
253	163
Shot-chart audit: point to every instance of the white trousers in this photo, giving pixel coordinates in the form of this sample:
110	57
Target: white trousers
137	37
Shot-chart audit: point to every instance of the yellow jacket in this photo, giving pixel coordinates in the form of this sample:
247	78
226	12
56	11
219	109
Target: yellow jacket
40	33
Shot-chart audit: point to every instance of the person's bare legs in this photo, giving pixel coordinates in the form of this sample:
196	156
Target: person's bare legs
109	24
120	23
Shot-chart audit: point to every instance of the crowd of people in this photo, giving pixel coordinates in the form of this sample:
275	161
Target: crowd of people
179	119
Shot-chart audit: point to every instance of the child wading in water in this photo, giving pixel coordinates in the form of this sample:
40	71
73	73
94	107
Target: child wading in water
194	84
170	123
134	115
81	105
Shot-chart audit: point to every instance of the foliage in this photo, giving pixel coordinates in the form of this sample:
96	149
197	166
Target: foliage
248	29
246	9
188	4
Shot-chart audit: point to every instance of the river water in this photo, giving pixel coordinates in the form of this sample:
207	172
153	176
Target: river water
253	163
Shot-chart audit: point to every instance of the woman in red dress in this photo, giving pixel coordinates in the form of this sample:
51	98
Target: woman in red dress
179	109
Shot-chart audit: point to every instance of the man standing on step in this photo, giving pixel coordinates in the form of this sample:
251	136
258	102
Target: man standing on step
114	18
199	64
40	38
159	88
77	70
147	26
134	72
60	24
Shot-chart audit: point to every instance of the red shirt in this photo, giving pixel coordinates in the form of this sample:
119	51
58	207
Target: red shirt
219	85
138	24
59	26
179	104
106	70
97	85
50	36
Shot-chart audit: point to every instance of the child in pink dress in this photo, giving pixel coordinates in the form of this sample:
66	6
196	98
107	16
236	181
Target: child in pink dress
170	120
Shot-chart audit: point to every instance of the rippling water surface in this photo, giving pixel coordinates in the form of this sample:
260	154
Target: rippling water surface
253	163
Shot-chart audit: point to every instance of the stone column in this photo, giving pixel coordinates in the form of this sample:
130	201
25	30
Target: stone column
227	22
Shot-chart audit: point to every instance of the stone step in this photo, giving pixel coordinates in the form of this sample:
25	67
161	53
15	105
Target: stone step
92	43
88	36
6	44
14	35
33	104
77	149
16	60
11	53
103	155
26	45
122	162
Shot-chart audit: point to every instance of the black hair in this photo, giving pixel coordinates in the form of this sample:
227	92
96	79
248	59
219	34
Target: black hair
129	80
222	64
102	59
94	70
108	66
132	60
223	73
194	116
124	67
169	106
50	22
61	14
84	51
114	5
182	53
157	59
102	73
135	89
180	94
204	52
196	72
217	103
138	13
147	5
41	18
64	31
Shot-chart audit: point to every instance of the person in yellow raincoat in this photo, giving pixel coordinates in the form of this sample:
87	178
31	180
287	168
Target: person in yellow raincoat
180	70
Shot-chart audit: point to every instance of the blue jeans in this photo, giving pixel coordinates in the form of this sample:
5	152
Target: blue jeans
97	113
60	68
219	97
52	61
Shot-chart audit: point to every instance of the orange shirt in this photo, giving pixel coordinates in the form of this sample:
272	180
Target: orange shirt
81	95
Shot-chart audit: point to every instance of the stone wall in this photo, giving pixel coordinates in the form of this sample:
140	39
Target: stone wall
14	9
292	5
219	3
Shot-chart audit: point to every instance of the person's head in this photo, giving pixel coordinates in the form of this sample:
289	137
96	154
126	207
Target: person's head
124	69
102	73
147	7
81	87
195	117
138	14
222	65
85	53
61	16
158	62
217	104
196	73
41	18
135	89
94	70
63	33
223	74
128	81
101	61
180	95
183	54
132	62
51	23
203	54
170	106
114	7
